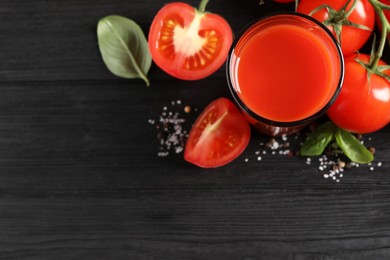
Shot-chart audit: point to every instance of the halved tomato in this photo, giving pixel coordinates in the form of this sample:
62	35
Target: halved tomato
188	43
219	135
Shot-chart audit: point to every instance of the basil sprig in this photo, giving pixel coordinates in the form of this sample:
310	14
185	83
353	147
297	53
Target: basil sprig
352	147
320	138
123	47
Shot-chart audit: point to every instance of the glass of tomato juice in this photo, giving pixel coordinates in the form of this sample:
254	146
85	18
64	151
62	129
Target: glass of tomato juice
284	71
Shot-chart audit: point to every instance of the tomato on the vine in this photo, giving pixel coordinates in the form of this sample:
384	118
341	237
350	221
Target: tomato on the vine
351	38
188	43
219	135
362	106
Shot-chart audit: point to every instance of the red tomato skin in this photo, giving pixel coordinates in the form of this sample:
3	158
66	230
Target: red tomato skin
352	39
219	144
164	52
361	108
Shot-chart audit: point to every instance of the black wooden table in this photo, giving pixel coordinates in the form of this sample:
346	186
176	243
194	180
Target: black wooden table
80	175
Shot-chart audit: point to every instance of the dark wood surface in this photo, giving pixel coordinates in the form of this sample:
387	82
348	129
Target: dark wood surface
80	177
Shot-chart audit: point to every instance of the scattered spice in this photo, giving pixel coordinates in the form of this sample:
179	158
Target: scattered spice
187	109
277	146
332	165
170	126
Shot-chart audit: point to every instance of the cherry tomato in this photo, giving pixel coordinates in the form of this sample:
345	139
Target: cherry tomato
361	107
352	38
219	135
187	43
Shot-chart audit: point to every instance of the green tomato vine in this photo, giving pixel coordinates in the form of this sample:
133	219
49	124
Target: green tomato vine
377	52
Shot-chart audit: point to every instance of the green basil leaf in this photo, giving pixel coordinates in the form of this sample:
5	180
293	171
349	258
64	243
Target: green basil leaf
352	148
123	47
318	140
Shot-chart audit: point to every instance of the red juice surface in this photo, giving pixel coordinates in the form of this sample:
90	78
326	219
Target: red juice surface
286	73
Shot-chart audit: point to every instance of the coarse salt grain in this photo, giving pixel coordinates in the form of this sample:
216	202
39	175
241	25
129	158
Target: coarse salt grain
170	131
179	149
308	160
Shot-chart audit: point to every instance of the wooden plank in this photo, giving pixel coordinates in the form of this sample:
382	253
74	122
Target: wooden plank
80	175
106	124
200	225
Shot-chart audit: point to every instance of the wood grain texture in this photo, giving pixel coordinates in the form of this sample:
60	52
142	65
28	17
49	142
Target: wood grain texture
80	177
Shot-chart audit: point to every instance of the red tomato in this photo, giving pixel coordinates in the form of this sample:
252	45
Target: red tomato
352	38
187	43
361	107
219	135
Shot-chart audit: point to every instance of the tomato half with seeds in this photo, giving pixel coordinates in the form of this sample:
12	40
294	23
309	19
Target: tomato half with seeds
188	43
219	135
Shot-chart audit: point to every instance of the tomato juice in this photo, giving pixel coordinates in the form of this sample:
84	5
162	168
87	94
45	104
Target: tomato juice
285	70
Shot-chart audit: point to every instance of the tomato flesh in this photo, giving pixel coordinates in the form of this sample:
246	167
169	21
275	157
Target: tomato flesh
361	107
219	135
189	44
352	38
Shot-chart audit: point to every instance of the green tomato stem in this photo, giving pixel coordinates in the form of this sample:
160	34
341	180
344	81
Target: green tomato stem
349	12
379	7
202	6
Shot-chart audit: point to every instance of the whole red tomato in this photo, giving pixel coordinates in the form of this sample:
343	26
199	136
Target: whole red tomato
361	107
187	43
352	38
219	135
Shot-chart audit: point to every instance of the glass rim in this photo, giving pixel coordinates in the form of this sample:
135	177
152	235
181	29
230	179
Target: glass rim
271	122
